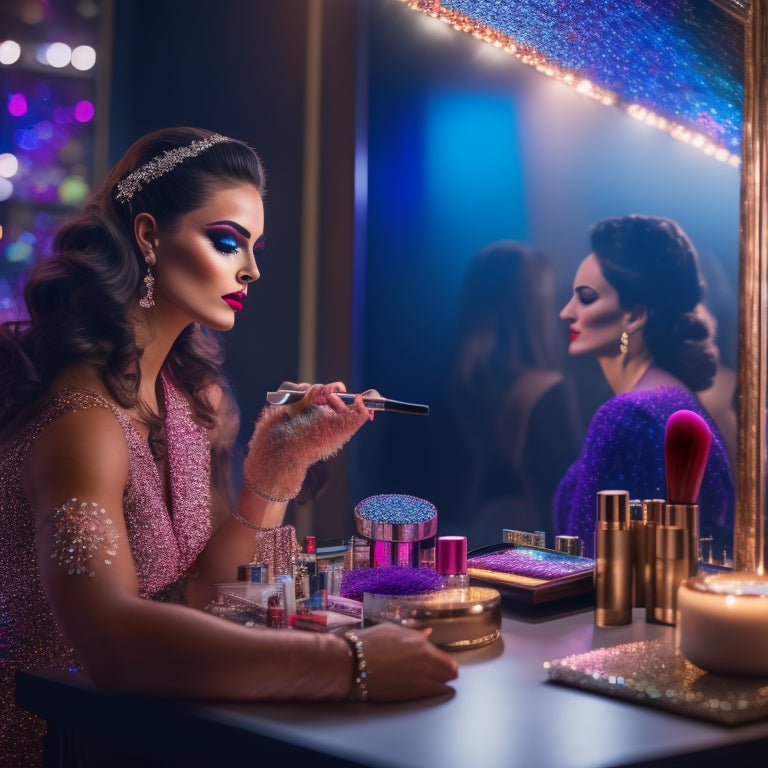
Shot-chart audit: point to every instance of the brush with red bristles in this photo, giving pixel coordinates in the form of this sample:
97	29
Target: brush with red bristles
676	542
686	449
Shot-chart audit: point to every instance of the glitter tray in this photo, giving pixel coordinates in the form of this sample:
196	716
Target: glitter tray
530	574
656	674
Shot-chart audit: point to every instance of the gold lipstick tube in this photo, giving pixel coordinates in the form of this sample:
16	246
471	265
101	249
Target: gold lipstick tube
613	560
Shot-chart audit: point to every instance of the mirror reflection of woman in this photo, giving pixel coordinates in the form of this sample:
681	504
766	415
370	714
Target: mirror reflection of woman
636	306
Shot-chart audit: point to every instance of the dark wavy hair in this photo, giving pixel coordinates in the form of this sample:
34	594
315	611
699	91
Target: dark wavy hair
650	261
78	299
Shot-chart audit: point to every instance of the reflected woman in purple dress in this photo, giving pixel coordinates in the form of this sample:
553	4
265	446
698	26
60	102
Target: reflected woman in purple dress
637	307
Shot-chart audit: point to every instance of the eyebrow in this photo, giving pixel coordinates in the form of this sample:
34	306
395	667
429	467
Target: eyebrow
242	230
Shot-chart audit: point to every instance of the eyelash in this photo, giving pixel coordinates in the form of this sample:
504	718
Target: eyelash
225	244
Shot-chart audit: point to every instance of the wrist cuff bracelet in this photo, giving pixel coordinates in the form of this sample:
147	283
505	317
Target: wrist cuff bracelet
360	672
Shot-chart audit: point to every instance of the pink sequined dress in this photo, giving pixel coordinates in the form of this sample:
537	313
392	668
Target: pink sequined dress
164	543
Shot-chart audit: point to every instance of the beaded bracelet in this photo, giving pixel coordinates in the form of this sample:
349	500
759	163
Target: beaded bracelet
360	675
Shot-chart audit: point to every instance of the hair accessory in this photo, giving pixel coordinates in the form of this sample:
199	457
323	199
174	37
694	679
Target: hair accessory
360	674
147	301
161	164
624	343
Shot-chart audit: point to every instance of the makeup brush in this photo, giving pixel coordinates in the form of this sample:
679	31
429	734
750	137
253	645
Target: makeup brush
686	448
687	440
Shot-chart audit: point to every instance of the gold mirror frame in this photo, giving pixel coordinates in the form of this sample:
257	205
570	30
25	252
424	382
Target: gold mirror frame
749	527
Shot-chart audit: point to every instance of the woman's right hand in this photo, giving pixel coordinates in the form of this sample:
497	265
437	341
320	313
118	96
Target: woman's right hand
403	664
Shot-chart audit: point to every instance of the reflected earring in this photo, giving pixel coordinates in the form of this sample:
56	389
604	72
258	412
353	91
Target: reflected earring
624	343
147	301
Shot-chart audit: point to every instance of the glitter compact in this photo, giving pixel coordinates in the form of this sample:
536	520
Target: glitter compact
399	529
460	619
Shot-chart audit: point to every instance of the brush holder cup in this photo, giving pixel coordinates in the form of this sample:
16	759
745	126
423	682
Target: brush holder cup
723	623
399	529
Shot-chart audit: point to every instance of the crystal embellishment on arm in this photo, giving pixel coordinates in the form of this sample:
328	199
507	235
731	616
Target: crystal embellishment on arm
82	531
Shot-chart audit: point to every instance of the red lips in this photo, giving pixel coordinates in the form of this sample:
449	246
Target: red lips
572	337
235	300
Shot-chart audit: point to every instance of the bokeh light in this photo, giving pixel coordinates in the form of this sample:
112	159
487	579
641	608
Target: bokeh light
84	111
73	190
9	165
6	189
83	57
58	55
17	104
10	51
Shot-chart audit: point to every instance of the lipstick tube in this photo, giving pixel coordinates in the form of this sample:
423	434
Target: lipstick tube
676	557
613	560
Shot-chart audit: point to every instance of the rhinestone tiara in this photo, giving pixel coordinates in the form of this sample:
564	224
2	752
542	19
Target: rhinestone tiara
160	165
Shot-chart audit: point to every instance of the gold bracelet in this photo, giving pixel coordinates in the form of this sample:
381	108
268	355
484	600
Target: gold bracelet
360	673
264	495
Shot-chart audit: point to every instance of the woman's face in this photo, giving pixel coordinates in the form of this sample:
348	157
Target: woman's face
595	318
204	265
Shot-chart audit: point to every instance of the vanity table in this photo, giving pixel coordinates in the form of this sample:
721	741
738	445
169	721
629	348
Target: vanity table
505	713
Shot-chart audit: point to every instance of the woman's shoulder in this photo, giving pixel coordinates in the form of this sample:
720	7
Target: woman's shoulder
646	409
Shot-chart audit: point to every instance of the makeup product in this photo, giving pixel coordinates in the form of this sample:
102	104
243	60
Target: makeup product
652	515
529	574
305	571
686	448
642	535
285	396
613	560
247	602
571	545
400	529
524	538
255	572
452	561
460	619
390	580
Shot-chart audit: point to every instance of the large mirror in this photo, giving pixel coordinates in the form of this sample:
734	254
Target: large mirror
468	147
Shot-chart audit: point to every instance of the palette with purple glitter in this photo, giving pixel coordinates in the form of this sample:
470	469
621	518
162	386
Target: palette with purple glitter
531	574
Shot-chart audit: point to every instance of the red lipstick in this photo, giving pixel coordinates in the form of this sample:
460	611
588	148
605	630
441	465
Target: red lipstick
235	300
573	336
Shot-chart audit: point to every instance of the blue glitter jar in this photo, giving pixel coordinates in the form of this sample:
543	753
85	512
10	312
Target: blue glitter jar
400	529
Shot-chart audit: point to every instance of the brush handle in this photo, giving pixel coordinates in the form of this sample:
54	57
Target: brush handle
285	396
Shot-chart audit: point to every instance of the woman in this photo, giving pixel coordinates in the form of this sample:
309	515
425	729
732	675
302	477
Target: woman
511	405
636	308
116	430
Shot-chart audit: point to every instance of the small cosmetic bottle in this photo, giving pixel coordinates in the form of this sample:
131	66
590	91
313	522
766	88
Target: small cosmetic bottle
613	560
452	561
306	570
642	527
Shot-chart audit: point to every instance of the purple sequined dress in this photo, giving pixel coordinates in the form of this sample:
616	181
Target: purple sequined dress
163	546
624	449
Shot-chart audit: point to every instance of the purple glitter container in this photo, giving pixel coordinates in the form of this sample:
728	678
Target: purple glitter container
400	529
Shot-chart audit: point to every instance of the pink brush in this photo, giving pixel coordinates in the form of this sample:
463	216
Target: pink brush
686	449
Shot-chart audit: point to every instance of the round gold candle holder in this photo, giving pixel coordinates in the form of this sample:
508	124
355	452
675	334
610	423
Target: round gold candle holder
462	618
722	623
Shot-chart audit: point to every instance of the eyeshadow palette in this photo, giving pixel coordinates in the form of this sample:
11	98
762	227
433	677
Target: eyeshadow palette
531	574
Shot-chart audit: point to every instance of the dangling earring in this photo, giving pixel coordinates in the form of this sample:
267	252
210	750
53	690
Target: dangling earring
147	301
624	343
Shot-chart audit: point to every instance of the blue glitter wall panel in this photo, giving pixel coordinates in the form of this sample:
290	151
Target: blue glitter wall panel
681	60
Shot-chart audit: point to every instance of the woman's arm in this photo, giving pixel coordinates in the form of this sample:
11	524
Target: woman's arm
74	476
